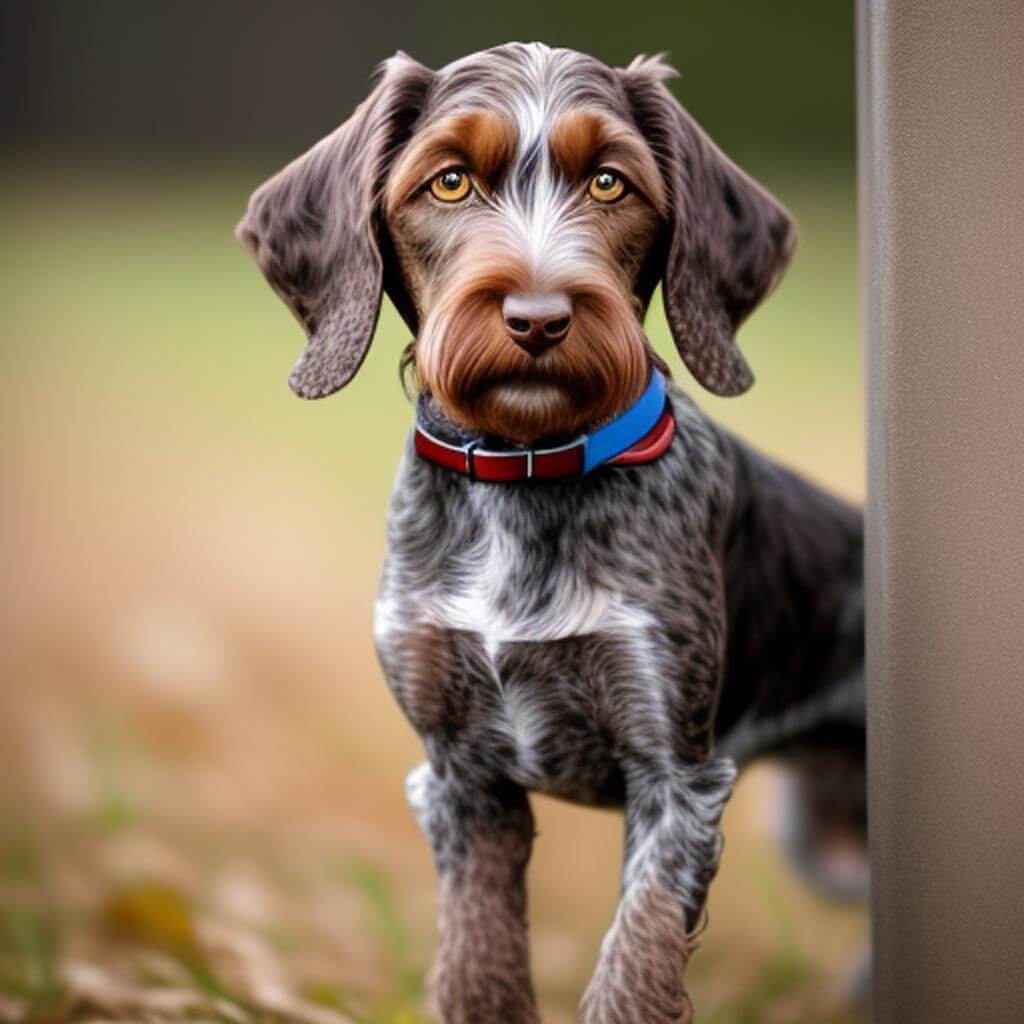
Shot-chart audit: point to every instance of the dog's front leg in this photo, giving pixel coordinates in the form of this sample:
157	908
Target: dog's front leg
672	849
481	837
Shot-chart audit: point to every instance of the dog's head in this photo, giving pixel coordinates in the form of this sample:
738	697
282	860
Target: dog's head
520	206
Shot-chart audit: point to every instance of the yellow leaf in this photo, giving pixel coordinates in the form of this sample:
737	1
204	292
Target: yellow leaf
153	913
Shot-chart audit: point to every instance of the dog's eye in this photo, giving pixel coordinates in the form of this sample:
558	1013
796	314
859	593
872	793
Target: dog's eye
450	185
606	186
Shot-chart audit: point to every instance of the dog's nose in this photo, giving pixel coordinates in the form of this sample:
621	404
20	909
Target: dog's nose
536	322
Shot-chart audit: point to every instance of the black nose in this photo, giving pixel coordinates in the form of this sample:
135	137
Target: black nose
535	321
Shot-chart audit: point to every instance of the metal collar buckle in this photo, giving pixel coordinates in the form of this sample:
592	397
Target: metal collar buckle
469	448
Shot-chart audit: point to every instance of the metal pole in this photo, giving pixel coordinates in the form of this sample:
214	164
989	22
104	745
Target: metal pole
942	188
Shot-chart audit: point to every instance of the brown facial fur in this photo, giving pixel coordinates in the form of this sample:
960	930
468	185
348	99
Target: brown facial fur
584	140
479	140
461	260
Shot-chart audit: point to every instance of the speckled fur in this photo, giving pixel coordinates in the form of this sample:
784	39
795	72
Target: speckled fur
626	623
629	638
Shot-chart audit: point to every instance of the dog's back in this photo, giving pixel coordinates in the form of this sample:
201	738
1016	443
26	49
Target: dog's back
793	566
793	686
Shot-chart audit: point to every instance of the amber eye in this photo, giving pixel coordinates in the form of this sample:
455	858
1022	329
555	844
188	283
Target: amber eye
450	185
606	186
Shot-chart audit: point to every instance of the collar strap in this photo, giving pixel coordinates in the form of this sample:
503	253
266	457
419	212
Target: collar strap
640	434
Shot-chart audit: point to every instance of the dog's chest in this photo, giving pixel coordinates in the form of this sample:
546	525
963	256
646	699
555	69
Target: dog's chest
510	571
512	587
522	639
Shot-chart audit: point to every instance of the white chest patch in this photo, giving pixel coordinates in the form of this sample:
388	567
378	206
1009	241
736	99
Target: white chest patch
483	605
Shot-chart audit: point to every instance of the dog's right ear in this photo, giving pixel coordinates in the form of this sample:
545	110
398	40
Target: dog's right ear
312	229
729	240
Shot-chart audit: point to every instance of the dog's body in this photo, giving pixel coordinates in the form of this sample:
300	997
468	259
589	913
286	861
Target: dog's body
626	637
613	640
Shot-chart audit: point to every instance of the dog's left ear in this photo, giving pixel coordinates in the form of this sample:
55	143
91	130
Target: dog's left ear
729	239
313	229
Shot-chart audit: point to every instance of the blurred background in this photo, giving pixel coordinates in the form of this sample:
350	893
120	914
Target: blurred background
201	811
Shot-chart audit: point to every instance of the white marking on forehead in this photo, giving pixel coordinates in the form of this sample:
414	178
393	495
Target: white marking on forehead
535	102
541	217
538	223
540	210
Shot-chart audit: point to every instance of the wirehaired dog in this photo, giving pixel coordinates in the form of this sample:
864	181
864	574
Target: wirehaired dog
591	590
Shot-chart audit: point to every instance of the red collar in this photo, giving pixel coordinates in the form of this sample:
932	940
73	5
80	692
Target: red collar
542	463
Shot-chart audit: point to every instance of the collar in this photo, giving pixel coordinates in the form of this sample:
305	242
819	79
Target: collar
640	434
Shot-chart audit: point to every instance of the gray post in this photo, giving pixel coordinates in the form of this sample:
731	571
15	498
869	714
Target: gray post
942	187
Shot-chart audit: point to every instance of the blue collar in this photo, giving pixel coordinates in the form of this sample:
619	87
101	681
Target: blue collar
627	428
612	441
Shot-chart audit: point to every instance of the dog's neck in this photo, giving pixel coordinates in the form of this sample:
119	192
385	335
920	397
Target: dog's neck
640	433
432	418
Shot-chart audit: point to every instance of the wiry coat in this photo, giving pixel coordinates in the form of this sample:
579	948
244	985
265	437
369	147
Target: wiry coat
603	640
627	637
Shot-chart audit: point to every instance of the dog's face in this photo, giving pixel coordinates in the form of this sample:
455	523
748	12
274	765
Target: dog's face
520	206
522	225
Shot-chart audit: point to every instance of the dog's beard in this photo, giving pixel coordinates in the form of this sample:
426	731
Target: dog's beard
486	384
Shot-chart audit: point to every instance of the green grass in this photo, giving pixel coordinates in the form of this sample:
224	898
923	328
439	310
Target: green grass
28	944
395	937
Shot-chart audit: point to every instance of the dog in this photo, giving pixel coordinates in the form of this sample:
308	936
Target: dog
591	590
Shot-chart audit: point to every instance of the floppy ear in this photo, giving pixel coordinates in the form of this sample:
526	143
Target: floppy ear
312	229
729	240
